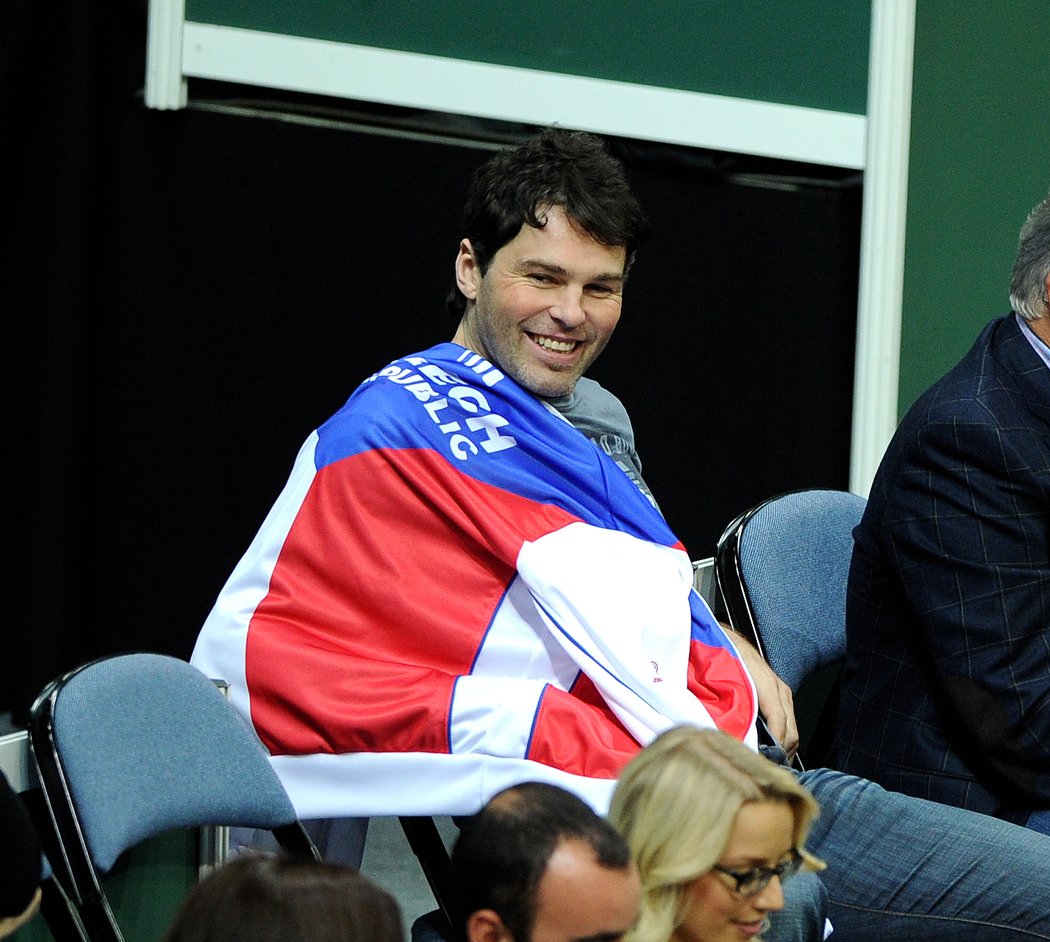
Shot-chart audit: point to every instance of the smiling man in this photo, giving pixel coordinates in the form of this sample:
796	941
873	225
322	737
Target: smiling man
547	305
403	615
465	585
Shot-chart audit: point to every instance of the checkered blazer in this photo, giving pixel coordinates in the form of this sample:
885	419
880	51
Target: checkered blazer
946	692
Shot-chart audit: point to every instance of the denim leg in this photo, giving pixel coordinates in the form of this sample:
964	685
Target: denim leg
1039	821
902	868
340	840
804	913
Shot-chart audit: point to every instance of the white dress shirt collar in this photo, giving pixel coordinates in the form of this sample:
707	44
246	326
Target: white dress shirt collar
1037	344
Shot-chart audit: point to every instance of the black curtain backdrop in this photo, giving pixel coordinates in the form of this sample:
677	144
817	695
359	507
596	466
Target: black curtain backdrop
69	73
194	291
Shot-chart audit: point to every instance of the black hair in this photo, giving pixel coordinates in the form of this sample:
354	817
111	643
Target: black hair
570	169
502	852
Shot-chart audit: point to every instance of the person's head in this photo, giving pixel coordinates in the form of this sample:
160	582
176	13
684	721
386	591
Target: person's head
537	864
708	821
550	230
1030	279
276	898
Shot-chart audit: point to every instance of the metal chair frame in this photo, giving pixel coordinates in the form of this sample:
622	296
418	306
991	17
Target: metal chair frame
76	870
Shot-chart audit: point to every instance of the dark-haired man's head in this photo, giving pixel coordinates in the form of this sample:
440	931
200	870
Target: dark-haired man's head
537	864
550	230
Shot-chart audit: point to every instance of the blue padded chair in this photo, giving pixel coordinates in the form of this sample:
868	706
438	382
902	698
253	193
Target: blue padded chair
782	568
131	746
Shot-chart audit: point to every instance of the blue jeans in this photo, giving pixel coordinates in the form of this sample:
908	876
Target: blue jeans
1039	821
340	840
902	868
805	911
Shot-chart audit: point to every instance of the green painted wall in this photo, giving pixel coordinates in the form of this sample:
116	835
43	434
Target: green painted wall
980	160
806	52
145	888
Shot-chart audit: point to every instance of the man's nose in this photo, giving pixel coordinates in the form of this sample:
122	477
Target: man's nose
568	307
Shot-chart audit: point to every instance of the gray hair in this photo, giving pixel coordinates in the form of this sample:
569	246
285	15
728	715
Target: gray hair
1028	288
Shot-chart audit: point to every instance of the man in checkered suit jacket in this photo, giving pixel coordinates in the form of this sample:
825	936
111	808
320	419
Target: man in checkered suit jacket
946	693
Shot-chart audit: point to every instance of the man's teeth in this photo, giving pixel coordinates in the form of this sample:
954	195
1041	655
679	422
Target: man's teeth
558	346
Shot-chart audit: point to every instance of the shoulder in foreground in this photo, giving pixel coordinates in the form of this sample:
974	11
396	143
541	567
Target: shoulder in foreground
983	380
592	396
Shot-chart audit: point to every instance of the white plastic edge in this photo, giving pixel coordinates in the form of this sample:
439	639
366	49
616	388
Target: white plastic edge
622	109
165	85
884	215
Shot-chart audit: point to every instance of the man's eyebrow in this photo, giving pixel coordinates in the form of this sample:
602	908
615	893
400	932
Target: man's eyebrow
601	937
540	263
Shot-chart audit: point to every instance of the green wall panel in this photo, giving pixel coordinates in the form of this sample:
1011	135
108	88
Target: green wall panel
145	888
980	160
808	52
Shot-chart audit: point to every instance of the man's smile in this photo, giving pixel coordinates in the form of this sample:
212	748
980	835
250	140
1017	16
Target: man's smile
553	344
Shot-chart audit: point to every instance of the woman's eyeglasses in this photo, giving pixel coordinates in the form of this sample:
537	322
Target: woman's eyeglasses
754	881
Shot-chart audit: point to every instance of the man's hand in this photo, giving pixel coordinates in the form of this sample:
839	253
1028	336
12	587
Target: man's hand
775	701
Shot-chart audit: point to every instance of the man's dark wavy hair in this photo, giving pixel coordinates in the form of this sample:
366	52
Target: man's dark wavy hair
555	167
502	852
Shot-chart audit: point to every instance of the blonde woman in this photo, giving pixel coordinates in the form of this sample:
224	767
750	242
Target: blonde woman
714	829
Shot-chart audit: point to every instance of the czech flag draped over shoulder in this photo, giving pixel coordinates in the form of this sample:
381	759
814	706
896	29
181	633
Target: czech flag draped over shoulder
457	591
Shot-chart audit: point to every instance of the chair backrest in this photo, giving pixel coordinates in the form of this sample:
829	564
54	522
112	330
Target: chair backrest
128	747
704	579
782	568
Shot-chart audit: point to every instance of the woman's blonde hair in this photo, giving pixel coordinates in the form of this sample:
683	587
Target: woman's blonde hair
676	803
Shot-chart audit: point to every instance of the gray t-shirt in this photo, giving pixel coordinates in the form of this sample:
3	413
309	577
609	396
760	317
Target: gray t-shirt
602	418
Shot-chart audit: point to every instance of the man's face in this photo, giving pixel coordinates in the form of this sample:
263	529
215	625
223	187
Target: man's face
547	305
579	900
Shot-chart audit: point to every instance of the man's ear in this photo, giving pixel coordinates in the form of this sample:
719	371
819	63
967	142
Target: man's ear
485	925
468	271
